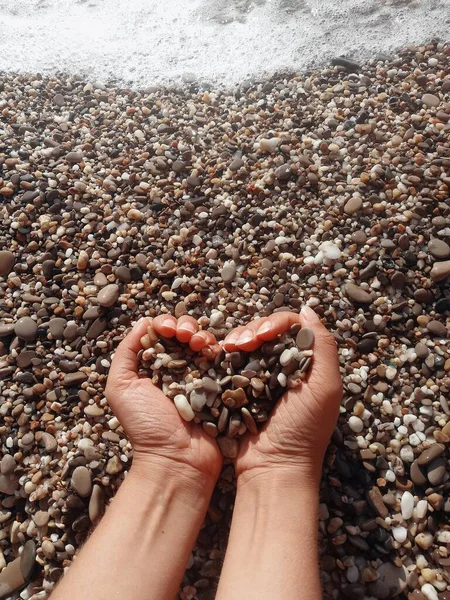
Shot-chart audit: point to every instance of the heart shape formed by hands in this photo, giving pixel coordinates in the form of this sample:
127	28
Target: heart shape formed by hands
228	386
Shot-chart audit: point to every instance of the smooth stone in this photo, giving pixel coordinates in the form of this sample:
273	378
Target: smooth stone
197	400
417	475
183	407
108	295
123	274
440	270
74	379
249	420
41	518
93	410
228	271
438	248
57	326
398	280
100	279
421	350
359	237
26	329
6	330
369	271
429	591
436	471
236	164
430	100
25	358
437	328
96	504
228	446
210	428
7	464
357	294
395	578
353	205
81	481
74	157
428	455
283	172
114	465
28	559
269	144
239	381
48	441
6	262
305	338
97	328
407	505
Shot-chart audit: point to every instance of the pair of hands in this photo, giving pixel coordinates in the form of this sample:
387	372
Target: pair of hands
293	440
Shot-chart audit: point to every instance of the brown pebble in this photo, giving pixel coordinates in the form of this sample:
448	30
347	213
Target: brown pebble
430	454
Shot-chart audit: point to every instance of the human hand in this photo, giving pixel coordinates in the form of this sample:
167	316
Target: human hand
158	434
300	426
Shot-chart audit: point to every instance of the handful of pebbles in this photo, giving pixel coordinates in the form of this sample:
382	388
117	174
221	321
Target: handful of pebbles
229	393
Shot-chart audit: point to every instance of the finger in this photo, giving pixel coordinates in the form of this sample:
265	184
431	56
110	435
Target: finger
124	366
165	325
229	343
276	324
186	327
201	339
248	341
325	367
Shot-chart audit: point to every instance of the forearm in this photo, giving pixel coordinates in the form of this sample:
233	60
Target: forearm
141	547
272	550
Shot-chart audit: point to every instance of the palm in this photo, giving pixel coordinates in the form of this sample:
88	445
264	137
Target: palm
155	427
302	422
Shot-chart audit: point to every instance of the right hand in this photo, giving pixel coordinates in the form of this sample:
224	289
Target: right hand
154	427
300	426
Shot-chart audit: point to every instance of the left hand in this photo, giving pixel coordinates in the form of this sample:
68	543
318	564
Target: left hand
150	419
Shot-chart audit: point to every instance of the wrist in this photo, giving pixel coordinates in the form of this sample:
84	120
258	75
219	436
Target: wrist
277	478
162	473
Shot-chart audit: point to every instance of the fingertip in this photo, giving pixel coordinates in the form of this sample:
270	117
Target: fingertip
247	341
165	325
198	341
309	315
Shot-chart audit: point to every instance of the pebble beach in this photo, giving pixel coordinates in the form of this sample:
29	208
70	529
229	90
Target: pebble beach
330	189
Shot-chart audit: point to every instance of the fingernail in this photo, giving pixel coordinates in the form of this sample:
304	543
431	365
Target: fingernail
136	325
244	338
167	323
309	314
265	327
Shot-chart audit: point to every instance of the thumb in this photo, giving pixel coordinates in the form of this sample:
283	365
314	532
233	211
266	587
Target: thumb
124	366
325	368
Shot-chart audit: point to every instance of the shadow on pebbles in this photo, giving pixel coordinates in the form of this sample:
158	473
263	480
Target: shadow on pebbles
330	189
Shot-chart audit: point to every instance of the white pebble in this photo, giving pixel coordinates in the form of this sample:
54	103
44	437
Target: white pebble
183	407
407	505
421	509
400	534
429	591
355	424
444	537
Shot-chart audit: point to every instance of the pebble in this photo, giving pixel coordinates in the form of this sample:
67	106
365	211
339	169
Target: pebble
437	328
430	454
438	248
357	294
7	464
353	205
56	327
26	329
305	338
407	505
7	261
355	424
228	272
440	270
183	407
269	145
108	295
81	481
430	100
96	504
